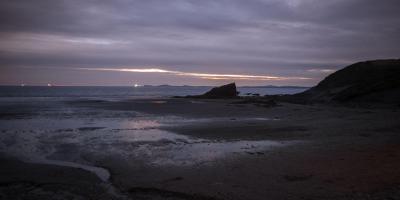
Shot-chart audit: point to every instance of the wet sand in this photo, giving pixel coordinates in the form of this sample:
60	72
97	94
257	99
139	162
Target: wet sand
21	180
202	149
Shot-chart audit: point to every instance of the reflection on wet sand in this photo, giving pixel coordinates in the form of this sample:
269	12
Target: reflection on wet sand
72	143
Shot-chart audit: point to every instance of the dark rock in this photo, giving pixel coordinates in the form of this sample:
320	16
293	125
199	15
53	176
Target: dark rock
370	81
223	92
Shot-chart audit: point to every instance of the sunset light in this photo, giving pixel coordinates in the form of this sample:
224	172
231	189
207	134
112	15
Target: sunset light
200	75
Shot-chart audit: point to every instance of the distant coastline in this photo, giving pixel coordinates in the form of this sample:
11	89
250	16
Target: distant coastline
132	91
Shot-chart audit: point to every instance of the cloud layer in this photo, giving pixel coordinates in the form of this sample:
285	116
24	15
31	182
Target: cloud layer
43	39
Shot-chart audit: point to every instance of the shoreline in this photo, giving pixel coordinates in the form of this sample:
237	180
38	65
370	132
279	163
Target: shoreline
212	149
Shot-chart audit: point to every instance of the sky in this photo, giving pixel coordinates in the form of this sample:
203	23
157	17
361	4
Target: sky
191	42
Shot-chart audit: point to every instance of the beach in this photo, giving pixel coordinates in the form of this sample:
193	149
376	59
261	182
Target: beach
168	148
199	100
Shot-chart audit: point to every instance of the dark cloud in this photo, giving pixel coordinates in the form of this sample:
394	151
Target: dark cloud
277	37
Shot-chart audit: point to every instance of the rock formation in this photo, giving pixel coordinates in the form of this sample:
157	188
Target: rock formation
223	92
370	81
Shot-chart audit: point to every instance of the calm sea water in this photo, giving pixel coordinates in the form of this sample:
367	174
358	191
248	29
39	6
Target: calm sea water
145	91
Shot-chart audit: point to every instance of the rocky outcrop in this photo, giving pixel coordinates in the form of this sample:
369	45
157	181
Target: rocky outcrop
370	81
223	92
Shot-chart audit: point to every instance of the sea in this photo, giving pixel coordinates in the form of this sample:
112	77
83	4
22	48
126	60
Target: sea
132	92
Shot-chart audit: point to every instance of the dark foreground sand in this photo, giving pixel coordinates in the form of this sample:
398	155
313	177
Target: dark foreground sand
21	180
333	152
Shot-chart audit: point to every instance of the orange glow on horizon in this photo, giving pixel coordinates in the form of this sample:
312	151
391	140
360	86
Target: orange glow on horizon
208	76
